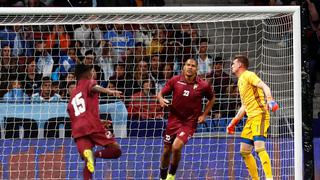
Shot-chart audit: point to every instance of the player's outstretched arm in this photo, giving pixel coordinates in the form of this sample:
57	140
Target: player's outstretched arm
108	91
232	125
272	104
207	109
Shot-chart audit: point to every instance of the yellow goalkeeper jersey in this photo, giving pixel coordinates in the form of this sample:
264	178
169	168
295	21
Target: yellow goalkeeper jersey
251	96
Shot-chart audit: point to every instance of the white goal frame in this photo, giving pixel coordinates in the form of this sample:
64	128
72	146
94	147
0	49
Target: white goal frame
298	154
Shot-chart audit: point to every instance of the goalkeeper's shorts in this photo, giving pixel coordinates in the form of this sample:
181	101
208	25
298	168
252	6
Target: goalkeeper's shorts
256	128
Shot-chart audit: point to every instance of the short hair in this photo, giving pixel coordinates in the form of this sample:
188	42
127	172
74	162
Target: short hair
90	51
191	59
203	39
217	60
71	83
243	59
81	69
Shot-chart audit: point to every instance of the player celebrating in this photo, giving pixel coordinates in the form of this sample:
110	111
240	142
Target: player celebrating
252	92
87	128
185	112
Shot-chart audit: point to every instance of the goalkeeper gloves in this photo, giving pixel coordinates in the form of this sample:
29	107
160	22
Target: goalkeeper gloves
232	126
272	104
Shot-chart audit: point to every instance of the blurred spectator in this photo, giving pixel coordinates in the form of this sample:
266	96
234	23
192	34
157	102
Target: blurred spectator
22	42
89	58
7	36
70	78
58	41
144	105
55	89
205	61
117	80
167	73
44	60
89	35
30	78
157	43
45	94
106	61
155	66
122	40
19	38
218	78
66	63
8	69
184	34
232	104
220	82
80	50
141	73
139	54
195	40
16	94
173	53
143	34
69	88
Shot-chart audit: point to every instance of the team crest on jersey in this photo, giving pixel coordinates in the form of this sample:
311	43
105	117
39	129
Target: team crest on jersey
195	86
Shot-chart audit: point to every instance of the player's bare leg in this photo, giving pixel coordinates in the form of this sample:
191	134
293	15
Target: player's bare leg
165	161
259	147
245	151
176	156
110	151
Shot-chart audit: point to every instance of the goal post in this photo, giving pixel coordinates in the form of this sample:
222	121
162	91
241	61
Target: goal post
270	36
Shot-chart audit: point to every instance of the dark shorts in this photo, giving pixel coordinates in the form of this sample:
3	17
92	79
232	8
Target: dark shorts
183	130
89	141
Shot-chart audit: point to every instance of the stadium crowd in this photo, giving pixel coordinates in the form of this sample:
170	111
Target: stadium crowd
37	62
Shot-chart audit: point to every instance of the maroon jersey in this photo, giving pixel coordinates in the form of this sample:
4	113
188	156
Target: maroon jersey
187	97
83	109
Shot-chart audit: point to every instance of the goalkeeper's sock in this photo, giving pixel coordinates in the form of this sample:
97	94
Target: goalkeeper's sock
87	175
108	153
173	169
251	164
265	162
163	173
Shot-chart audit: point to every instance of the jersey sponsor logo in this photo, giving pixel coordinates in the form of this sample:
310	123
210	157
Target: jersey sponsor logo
179	82
186	93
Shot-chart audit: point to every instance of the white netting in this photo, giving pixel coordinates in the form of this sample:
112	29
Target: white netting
127	50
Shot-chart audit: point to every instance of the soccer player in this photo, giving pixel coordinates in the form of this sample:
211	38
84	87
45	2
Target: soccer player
185	112
253	92
87	128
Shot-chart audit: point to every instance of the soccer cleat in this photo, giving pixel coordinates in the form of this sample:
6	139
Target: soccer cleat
171	177
88	155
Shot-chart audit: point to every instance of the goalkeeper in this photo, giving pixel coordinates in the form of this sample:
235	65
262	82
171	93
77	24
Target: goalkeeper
253	92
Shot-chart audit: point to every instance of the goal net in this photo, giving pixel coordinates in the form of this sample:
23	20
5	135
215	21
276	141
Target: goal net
136	51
